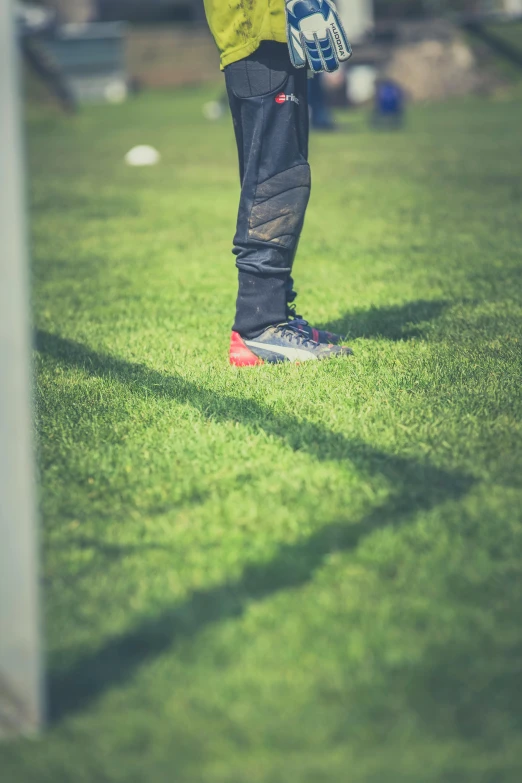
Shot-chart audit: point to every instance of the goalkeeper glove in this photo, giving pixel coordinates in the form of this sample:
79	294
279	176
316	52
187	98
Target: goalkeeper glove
315	34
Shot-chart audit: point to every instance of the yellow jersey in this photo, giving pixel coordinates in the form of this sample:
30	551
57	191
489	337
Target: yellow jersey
239	26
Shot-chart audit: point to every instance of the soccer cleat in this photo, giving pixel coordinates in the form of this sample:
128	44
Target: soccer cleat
301	325
282	343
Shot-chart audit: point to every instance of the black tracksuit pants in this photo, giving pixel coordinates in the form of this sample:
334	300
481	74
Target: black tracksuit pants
268	100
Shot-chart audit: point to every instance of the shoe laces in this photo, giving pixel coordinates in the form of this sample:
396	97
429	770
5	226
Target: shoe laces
288	330
292	315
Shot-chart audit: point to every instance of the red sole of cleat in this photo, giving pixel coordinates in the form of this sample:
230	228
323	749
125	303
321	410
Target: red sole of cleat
240	354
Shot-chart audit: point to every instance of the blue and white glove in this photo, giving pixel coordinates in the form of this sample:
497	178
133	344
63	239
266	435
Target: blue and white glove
316	35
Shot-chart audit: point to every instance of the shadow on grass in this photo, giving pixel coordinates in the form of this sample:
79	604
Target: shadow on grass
103	553
415	486
399	322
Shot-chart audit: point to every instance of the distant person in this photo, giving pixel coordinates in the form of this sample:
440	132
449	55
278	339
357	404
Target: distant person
320	114
266	47
389	104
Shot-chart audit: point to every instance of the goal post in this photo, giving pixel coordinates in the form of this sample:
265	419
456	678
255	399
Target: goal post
21	700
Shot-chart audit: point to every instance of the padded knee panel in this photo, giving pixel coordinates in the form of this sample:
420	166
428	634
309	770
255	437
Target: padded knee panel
262	72
279	207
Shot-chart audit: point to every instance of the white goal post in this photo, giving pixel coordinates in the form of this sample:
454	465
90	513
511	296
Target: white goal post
21	703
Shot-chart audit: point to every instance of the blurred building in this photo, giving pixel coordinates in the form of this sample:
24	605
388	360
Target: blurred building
513	7
358	14
77	11
358	18
81	11
150	10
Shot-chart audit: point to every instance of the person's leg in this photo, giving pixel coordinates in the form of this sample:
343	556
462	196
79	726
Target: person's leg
268	99
321	117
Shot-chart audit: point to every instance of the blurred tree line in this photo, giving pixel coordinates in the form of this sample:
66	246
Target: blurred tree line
85	10
416	8
134	10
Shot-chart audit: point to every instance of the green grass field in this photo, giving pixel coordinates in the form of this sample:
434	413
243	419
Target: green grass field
285	574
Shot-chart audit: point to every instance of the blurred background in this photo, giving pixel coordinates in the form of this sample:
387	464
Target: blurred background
107	49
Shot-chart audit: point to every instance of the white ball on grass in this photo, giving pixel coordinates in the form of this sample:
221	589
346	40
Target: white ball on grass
116	91
212	110
142	155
